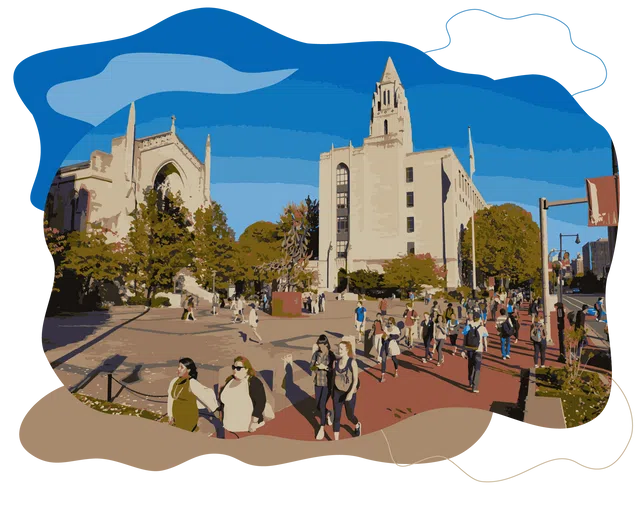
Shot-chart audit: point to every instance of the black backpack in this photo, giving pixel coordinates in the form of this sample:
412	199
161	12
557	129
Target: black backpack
472	338
507	329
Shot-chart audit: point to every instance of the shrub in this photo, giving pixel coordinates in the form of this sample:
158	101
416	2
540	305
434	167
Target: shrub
160	302
137	300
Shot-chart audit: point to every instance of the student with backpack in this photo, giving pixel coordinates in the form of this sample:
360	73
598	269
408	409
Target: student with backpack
345	385
475	343
505	329
514	316
426	328
538	336
440	334
390	347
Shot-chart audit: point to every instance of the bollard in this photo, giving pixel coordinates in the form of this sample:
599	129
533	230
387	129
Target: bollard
109	384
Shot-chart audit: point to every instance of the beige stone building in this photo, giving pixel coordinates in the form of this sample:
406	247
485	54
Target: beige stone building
381	201
108	187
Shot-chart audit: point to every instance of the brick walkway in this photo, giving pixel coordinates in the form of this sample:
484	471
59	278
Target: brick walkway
421	387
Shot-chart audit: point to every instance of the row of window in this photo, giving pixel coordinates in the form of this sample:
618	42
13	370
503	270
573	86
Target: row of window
342	224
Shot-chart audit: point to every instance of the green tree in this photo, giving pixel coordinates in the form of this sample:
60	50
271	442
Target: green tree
213	248
313	220
158	244
57	245
91	258
364	280
507	243
413	271
260	244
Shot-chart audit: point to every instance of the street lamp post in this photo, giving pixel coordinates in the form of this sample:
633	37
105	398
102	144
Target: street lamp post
561	275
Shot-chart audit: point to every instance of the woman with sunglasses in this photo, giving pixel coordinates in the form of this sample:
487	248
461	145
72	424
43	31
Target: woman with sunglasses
242	398
186	394
321	365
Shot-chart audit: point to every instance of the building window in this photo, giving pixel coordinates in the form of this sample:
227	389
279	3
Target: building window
342	177
410	225
409	199
341	251
343	224
342	200
411	248
409	174
386	127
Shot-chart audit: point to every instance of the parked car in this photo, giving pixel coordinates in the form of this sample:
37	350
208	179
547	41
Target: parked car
576	290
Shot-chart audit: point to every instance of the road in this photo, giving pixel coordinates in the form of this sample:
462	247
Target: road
573	302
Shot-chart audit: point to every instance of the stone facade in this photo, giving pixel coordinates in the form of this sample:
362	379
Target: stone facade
108	187
381	201
596	257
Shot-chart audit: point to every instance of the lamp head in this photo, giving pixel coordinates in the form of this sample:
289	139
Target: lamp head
577	239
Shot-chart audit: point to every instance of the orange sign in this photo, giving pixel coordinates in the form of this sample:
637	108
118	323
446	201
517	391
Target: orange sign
604	200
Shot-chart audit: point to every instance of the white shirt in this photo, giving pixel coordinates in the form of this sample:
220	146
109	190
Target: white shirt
206	398
253	318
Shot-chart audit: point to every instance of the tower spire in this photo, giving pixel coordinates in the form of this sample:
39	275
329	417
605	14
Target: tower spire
389	74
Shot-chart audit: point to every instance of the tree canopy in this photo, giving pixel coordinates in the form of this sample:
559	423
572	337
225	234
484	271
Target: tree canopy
413	271
507	243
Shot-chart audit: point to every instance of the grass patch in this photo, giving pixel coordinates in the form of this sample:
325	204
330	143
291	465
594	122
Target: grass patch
582	400
119	409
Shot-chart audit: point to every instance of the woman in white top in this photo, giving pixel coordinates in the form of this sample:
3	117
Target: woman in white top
253	322
186	395
242	398
234	310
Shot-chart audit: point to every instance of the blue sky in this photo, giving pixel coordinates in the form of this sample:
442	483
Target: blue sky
272	107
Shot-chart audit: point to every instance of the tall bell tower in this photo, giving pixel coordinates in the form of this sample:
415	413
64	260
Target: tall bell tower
390	109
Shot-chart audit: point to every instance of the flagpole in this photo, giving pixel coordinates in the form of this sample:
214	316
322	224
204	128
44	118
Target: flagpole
472	169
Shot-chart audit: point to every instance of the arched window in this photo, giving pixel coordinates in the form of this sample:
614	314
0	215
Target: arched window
386	127
342	175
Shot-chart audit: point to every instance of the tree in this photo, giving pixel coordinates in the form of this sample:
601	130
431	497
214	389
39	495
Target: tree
158	244
313	219
57	244
364	280
507	243
213	247
291	268
91	258
259	244
413	271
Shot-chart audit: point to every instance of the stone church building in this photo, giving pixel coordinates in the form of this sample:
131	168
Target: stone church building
108	187
383	200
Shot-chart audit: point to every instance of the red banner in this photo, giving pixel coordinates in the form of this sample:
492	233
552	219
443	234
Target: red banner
604	200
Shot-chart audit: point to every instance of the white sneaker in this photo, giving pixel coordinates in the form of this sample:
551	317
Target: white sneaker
536	366
542	366
330	418
320	434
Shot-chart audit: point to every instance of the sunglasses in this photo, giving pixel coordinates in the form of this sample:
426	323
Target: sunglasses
237	368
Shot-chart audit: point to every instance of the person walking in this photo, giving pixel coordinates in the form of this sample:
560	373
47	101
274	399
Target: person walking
426	329
505	329
384	304
378	333
390	347
449	313
475	343
345	385
322	362
599	309
538	336
314	304
234	310
321	303
360	320
483	311
253	322
410	317
440	335
215	303
514	316
191	309
240	308
452	332
495	303
561	319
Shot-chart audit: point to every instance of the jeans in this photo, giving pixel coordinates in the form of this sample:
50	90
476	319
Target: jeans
384	351
350	407
439	343
322	397
539	348
474	363
505	344
427	346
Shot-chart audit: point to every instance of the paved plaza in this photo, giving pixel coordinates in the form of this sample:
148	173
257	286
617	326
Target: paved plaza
142	349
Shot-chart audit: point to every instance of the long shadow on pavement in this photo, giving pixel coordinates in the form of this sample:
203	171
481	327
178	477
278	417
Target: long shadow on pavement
94	341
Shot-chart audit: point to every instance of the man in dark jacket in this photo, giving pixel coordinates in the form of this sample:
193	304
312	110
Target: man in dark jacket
561	317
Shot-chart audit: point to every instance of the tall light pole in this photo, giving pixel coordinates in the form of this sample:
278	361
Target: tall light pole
560	257
544	205
472	170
